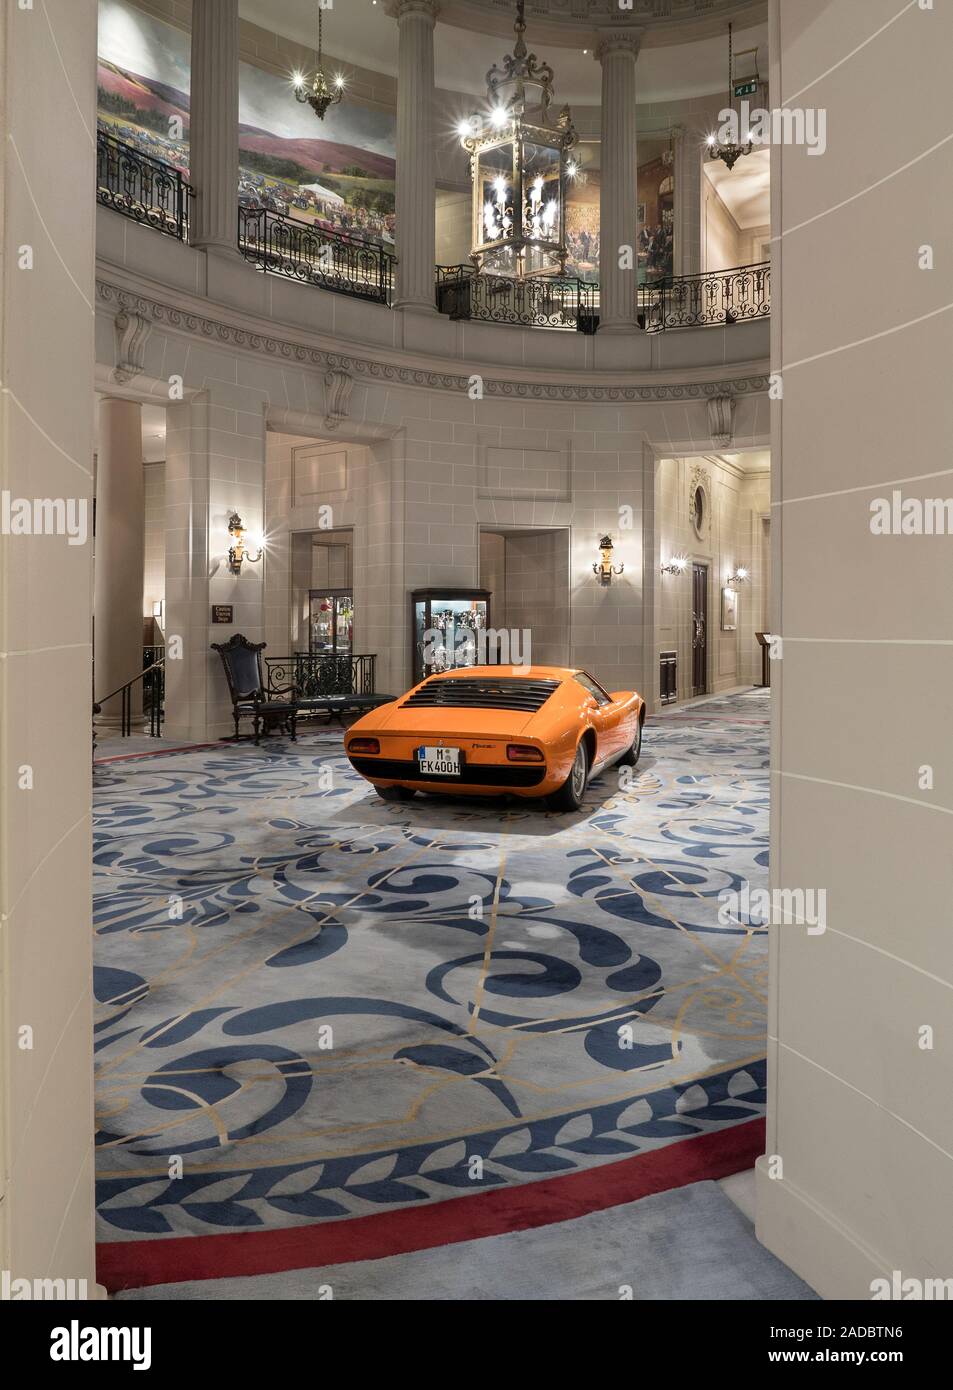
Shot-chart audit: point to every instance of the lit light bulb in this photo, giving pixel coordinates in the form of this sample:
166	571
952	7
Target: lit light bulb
572	169
339	81
499	116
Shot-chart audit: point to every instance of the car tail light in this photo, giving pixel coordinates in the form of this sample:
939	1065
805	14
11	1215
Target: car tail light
523	753
364	745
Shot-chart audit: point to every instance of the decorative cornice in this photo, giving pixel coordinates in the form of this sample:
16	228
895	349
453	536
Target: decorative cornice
370	370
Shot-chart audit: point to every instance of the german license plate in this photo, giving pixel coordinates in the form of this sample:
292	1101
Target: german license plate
439	762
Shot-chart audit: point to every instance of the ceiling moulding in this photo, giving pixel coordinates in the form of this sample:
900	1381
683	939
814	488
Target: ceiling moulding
749	381
568	23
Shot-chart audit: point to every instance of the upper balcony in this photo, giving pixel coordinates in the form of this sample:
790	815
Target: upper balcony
342	284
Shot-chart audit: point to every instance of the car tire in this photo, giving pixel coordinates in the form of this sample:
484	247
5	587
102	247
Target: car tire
570	794
631	756
395	793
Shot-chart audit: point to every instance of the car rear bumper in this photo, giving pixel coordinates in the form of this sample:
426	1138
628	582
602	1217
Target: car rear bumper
525	779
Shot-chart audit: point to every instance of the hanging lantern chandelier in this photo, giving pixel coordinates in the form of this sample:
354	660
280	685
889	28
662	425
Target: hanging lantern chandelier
518	168
729	150
318	92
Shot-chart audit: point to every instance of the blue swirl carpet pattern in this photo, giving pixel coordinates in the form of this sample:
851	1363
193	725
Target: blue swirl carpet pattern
313	1005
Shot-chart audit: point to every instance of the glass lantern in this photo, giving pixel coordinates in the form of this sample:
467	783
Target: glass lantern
518	169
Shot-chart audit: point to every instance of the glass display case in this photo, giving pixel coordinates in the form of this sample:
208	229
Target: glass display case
330	622
446	627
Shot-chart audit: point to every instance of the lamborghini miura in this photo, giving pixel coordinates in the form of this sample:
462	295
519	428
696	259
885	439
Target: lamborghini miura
538	731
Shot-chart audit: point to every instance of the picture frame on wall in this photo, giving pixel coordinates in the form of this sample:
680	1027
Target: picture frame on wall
729	609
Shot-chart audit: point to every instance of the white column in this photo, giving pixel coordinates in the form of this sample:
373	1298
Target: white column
415	158
120	554
213	125
47	362
618	190
689	159
215	464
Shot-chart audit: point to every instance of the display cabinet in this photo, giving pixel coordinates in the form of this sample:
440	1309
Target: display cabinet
446	627
330	622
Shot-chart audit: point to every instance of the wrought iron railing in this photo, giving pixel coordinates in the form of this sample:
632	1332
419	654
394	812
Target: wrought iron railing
697	301
141	187
566	302
314	676
338	261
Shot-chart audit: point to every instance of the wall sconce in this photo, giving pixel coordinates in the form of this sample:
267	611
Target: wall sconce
241	548
604	568
677	565
740	576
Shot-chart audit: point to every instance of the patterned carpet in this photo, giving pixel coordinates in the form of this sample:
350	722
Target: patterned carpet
315	1005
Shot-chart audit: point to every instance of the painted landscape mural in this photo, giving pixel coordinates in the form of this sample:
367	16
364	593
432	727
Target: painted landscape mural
338	172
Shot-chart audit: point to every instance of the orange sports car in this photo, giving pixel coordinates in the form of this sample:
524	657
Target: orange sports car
533	731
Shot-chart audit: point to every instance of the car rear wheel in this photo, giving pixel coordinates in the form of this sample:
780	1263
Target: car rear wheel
570	794
395	793
631	756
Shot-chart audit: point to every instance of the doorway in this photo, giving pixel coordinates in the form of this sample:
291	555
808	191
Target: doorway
699	629
526	570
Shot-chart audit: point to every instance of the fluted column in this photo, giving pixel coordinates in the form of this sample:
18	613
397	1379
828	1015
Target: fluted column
213	124
689	158
618	191
415	157
120	553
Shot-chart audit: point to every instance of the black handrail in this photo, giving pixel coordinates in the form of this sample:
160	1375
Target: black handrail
141	187
343	262
153	679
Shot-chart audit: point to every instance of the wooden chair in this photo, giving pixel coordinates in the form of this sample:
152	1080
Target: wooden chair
251	698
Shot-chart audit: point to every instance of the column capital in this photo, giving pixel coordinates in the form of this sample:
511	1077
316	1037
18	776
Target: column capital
613	41
400	9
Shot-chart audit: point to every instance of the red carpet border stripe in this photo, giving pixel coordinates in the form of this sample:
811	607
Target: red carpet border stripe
170	1260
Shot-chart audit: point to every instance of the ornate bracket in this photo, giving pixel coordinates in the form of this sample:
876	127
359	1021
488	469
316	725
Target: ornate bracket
339	386
132	334
721	414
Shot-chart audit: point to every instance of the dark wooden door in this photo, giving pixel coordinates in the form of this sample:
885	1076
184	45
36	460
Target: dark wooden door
699	629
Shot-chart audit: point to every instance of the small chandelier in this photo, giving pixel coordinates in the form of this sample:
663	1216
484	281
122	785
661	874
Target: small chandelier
319	94
604	569
730	151
241	548
518	168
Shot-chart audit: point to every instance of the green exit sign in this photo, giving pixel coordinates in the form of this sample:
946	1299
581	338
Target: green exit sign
746	89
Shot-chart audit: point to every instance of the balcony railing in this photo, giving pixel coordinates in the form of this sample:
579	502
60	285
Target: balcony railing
155	194
141	187
697	301
338	261
544	303
317	675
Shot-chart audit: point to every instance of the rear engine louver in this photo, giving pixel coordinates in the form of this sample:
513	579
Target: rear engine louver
469	692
